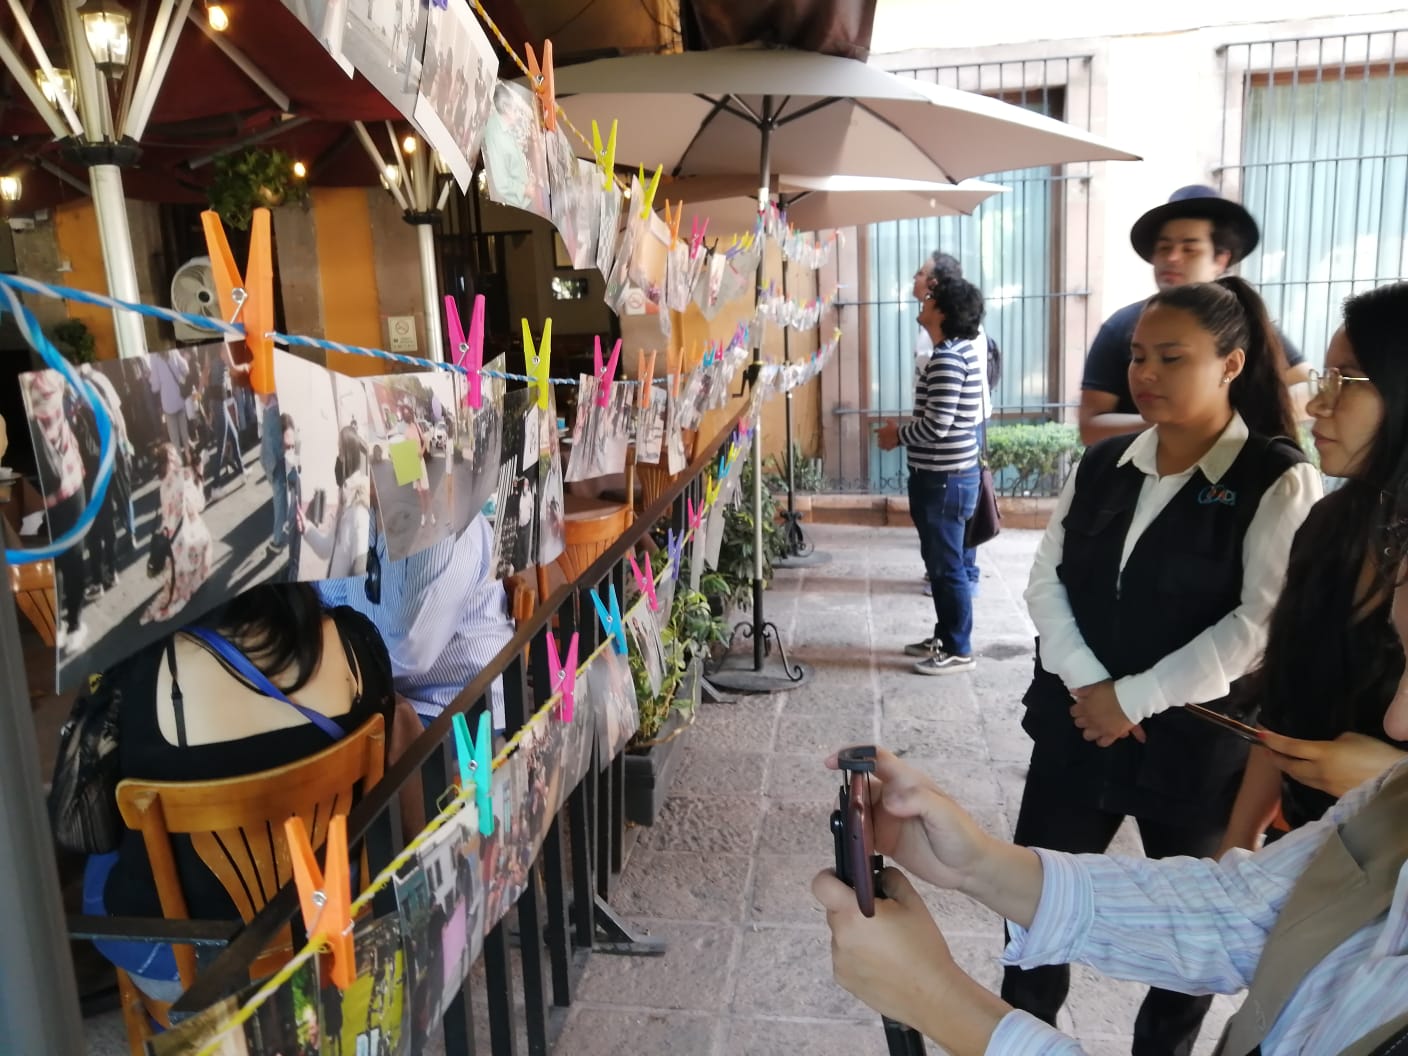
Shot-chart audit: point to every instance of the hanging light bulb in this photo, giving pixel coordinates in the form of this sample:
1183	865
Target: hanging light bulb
105	25
218	17
10	188
300	170
409	144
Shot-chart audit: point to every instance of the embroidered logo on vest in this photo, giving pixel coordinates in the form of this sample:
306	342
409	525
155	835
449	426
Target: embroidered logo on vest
1216	493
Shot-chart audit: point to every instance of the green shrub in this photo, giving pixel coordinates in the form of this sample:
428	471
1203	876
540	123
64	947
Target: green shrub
1032	459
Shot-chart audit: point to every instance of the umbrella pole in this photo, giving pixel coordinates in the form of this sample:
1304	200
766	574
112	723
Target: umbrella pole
755	679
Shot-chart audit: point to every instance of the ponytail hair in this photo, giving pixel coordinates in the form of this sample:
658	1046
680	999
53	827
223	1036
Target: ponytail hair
1235	315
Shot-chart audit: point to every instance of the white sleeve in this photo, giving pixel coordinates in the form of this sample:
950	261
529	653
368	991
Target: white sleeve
1205	668
1063	649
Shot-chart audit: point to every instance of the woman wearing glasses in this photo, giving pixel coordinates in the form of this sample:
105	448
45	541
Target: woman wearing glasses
1332	660
1151	590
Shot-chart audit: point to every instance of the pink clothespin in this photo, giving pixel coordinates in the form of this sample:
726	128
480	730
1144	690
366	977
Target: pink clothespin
696	517
646	581
562	674
697	232
673	545
605	374
468	354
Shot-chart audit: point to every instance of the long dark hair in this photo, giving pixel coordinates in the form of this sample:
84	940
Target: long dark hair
278	625
1234	314
1313	626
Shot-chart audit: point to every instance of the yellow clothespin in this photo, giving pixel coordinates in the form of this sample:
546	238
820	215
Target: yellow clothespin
539	360
605	158
648	199
647	376
326	898
674	221
251	298
544	84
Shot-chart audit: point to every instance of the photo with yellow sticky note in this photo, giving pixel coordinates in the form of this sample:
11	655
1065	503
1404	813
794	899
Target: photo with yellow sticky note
405	460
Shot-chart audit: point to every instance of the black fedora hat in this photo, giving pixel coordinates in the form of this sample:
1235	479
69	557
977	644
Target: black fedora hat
1199	203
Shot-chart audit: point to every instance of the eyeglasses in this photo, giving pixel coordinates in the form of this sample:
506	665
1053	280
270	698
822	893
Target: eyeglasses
1327	386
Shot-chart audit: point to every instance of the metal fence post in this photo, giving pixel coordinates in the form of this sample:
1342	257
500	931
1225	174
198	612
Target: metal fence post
38	995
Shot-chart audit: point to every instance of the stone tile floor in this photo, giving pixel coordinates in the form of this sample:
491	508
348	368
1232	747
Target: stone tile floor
724	876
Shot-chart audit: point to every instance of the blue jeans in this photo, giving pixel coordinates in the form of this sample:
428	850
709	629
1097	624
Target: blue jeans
940	504
152	965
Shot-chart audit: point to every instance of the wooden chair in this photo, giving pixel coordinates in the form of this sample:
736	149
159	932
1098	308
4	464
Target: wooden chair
236	827
33	587
590	526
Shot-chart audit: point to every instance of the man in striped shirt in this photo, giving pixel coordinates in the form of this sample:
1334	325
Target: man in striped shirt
941	444
443	616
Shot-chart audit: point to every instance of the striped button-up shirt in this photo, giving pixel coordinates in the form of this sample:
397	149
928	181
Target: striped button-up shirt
1198	926
442	615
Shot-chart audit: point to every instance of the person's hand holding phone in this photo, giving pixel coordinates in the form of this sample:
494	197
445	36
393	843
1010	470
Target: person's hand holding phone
1335	767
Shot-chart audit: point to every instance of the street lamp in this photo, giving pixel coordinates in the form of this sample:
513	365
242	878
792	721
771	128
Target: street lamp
10	188
105	25
57	87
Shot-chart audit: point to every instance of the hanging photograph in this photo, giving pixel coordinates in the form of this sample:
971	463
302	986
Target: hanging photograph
643	632
515	154
578	738
516	497
544	757
440	901
476	442
551	527
456	86
188	519
290	1021
500	853
385	40
613	694
677	459
586	220
190	1036
650	426
564	188
369	1016
413	415
608	229
600	435
327	21
649	254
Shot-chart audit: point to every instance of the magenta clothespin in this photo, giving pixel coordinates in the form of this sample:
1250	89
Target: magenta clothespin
469	354
605	374
697	231
646	581
673	545
562	674
696	517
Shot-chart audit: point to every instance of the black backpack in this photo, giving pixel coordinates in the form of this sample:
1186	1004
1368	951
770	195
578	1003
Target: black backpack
994	365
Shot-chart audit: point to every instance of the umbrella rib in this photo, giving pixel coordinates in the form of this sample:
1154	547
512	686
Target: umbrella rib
811	108
890	124
718	105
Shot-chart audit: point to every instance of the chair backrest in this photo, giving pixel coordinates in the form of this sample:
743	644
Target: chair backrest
589	533
236	824
33	587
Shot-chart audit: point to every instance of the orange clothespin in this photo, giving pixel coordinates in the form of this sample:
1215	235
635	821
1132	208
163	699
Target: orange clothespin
326	897
648	197
251	296
673	222
544	84
605	157
647	376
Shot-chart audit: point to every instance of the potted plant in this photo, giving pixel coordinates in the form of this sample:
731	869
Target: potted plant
74	341
687	638
252	179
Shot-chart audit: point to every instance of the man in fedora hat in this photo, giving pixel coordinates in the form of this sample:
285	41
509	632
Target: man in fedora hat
1194	237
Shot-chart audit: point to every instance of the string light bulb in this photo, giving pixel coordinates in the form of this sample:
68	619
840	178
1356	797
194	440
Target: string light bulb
409	144
10	188
218	17
300	170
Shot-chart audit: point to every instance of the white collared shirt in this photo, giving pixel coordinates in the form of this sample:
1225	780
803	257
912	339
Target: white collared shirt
1205	668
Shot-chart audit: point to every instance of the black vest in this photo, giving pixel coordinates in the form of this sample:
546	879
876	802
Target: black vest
1183	575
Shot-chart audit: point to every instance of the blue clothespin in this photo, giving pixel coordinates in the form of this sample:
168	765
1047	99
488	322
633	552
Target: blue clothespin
673	545
610	616
476	759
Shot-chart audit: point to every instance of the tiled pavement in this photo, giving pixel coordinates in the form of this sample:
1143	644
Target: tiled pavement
724	876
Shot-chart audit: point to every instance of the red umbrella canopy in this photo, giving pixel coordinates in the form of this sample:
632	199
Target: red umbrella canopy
207	103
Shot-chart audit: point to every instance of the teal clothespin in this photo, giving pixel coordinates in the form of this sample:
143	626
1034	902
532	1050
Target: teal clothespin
610	616
476	759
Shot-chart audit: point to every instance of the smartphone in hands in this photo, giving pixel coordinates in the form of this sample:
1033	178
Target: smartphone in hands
857	864
1225	722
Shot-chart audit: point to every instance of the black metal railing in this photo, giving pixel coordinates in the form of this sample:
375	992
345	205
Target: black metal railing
565	910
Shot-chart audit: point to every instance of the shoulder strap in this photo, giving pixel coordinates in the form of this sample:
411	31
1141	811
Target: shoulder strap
178	703
240	664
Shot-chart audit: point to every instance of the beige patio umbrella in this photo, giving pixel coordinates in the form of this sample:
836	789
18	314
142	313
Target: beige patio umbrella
821	203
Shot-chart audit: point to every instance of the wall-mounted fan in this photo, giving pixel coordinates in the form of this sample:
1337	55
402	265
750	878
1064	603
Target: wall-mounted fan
193	292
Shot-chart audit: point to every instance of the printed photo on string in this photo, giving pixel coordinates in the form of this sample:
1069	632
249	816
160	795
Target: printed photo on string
649	256
578	738
515	154
516	498
676	457
563	186
477	443
385	39
368	1019
289	1023
650	426
618	278
413	416
586	218
600	435
542	748
190	1036
608	229
185	522
643	631
456	86
327	21
552	529
440	900
613	694
501	855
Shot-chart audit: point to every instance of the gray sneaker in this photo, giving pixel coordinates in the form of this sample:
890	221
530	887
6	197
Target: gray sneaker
942	662
924	648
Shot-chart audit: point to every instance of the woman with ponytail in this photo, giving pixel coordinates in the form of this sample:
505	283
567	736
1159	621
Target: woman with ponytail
1151	590
1332	661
